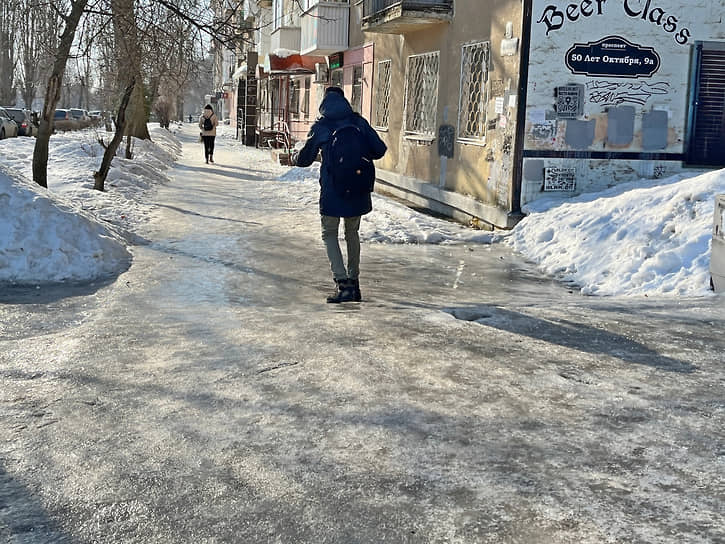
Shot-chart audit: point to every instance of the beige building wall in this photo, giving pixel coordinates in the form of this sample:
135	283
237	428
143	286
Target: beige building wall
482	171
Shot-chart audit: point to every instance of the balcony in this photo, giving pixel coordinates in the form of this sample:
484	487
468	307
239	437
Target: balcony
285	37
402	16
325	27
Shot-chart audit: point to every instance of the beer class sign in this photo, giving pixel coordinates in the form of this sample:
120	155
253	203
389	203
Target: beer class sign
612	56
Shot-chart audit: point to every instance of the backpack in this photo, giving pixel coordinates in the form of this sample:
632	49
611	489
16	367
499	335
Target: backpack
351	168
208	125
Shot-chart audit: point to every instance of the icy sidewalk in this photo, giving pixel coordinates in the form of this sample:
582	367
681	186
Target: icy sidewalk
210	394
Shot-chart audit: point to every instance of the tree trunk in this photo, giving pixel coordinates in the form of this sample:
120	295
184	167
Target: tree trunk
52	94
100	177
129	65
138	121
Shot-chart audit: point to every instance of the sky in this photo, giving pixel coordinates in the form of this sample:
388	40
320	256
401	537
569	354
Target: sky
644	238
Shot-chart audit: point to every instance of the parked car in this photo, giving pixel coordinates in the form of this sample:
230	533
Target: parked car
63	120
95	116
84	120
8	126
23	118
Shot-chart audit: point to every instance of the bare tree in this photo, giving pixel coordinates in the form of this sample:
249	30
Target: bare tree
9	15
36	39
52	91
99	177
128	54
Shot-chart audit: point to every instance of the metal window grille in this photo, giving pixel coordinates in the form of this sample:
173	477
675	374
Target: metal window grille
421	94
382	95
473	94
357	76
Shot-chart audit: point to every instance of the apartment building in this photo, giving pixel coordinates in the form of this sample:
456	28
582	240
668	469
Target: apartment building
488	105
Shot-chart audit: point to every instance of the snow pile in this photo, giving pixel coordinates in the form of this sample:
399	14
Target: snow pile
58	234
44	239
650	237
393	222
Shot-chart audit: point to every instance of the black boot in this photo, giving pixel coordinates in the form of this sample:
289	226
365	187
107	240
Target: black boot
356	295
343	292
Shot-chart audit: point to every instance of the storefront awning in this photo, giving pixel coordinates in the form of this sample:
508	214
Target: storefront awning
291	64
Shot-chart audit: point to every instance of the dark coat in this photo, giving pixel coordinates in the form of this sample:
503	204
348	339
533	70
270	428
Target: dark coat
335	111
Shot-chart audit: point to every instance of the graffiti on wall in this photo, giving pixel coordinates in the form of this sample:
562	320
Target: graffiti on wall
616	93
543	132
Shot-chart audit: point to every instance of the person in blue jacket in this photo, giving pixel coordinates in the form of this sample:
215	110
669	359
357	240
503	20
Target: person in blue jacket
335	111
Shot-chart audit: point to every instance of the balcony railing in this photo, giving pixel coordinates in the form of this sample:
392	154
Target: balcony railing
401	16
325	27
373	7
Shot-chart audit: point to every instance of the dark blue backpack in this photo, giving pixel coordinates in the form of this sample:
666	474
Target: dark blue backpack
350	166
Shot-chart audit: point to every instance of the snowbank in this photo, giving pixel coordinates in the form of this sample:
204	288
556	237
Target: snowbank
71	232
650	237
45	239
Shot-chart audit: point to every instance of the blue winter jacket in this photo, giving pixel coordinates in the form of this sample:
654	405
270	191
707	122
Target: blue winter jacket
335	111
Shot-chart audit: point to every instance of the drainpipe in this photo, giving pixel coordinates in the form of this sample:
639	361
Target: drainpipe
517	173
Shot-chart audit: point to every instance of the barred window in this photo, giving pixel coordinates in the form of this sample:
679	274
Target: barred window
421	94
382	95
357	84
473	97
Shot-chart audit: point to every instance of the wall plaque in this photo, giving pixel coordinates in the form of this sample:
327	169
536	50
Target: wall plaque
446	139
612	56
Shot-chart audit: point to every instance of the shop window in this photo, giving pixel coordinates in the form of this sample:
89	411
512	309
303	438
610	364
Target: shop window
357	85
382	95
706	134
473	98
336	78
421	94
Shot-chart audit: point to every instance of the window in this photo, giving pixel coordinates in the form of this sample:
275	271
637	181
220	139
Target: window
421	94
306	98
278	10
294	100
357	83
336	78
382	95
473	97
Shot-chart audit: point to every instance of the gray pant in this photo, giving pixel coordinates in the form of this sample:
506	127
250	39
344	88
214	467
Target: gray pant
330	229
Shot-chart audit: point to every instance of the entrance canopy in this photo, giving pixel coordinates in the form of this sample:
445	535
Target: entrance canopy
292	64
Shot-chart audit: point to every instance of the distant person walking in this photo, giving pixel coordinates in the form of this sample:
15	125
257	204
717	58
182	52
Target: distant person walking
349	145
208	123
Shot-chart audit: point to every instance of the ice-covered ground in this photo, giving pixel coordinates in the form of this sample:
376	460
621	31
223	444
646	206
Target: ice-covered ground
642	238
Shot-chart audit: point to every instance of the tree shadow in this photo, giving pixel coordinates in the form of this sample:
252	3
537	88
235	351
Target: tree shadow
568	334
233	172
189	212
22	517
53	292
